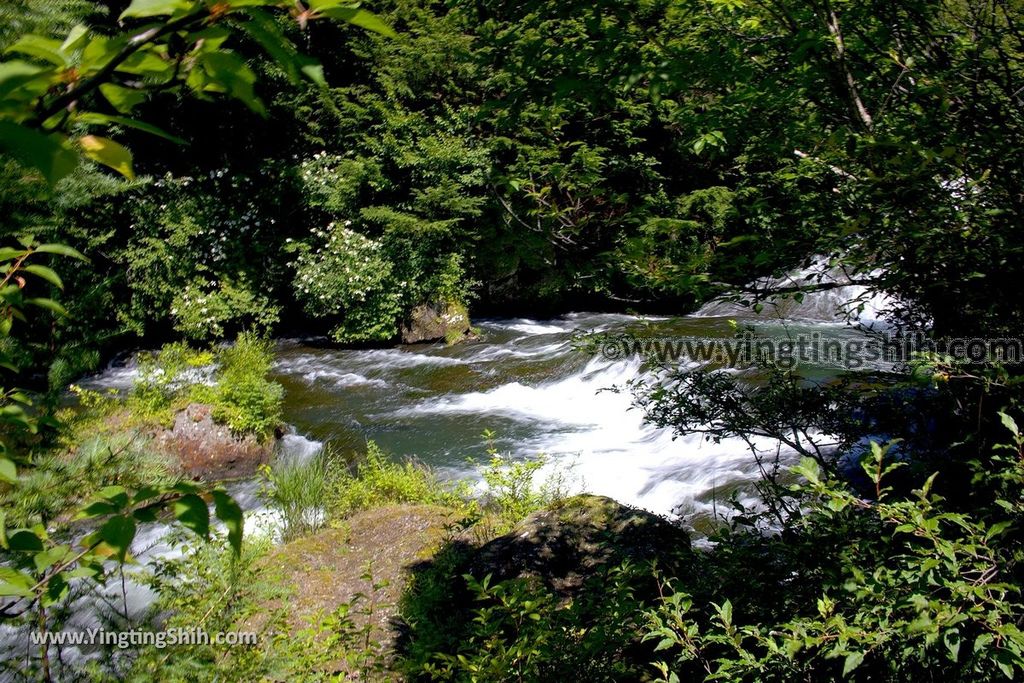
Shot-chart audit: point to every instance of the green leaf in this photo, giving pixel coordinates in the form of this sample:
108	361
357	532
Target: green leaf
57	589
121	98
15	75
355	16
8	472
952	641
146	493
24	540
118	532
47	153
47	558
192	512
148	513
75	39
264	30
104	120
99	508
46	49
45	273
61	250
314	71
229	73
14	583
1009	423
853	660
115	494
155	8
10	253
48	304
108	153
809	469
725	612
147	63
229	512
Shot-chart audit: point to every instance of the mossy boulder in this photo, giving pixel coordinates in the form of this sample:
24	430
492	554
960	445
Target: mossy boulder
585	562
365	562
208	450
436	322
575	539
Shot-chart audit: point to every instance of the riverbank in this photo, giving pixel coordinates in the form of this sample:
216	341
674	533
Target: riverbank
401	569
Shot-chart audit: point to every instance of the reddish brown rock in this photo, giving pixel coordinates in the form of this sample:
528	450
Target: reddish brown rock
209	451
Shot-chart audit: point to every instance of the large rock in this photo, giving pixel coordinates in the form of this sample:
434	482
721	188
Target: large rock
436	322
589	555
207	450
575	539
365	563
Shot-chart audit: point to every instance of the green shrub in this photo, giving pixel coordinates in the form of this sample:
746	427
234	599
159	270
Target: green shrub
520	630
375	481
244	399
901	589
512	490
204	310
347	279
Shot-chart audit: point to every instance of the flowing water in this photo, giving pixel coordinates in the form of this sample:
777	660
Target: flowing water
538	392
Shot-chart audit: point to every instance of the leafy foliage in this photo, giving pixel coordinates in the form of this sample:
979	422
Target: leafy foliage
912	589
375	481
348	278
244	399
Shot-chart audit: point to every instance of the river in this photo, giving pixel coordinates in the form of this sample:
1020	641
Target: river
527	382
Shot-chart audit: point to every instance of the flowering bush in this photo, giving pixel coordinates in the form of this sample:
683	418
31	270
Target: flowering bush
331	182
203	310
207	242
349	278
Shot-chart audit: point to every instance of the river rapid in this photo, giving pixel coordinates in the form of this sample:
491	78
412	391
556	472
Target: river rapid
530	384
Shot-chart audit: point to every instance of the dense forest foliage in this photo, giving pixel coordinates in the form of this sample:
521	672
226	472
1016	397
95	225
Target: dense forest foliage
532	158
311	168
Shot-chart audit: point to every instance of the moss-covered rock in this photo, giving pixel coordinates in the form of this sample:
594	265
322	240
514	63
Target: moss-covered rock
367	557
574	539
435	322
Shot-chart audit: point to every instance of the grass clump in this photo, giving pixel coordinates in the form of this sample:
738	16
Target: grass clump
297	490
375	481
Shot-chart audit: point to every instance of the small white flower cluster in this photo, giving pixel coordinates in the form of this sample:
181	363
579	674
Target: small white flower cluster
344	271
198	312
324	176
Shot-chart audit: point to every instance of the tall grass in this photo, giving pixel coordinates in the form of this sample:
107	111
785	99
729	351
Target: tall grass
298	491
